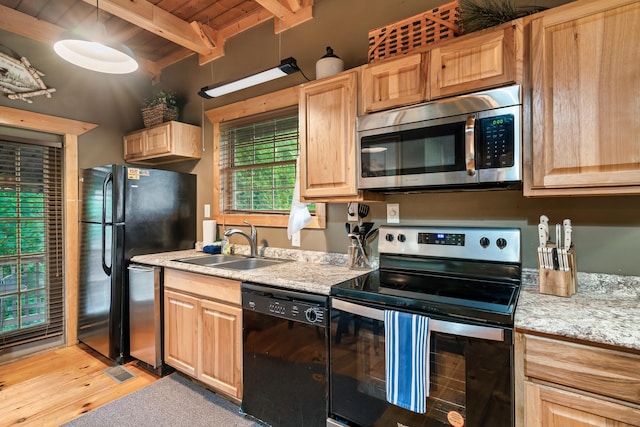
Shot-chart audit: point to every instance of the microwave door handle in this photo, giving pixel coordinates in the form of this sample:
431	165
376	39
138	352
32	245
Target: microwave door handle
469	145
435	325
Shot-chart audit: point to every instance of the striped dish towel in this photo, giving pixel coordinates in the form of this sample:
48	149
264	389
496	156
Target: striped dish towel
407	360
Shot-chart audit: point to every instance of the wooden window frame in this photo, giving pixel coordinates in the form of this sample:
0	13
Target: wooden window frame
41	165
250	107
70	130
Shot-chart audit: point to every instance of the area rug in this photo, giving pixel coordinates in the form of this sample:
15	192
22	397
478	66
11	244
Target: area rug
172	401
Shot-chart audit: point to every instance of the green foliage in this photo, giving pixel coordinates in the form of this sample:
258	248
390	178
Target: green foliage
163	97
31	226
263	166
479	14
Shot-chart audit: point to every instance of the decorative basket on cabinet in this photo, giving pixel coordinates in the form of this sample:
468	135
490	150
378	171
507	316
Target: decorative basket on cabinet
414	33
162	108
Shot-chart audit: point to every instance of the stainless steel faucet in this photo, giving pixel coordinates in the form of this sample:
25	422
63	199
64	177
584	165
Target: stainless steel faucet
253	238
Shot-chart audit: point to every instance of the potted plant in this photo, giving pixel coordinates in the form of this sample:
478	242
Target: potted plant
163	107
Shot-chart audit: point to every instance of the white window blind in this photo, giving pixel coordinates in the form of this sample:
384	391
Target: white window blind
258	162
31	241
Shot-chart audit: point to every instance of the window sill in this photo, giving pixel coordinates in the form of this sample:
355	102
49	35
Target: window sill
318	220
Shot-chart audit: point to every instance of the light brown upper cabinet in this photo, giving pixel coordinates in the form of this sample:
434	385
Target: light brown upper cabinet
327	111
480	60
585	84
394	83
164	143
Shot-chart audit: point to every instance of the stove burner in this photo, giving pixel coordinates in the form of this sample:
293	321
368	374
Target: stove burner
461	289
439	280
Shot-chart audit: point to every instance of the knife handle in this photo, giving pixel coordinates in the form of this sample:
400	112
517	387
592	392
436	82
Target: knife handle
540	258
567	237
542	235
554	257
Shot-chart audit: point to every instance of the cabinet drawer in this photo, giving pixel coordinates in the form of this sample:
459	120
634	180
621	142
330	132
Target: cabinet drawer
210	287
605	372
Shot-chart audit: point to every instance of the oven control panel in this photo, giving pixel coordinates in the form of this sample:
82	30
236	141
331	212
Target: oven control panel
453	239
480	243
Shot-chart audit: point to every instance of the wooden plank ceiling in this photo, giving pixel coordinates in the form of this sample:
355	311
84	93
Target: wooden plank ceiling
160	32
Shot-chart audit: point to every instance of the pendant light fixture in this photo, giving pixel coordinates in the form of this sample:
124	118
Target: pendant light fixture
287	66
91	49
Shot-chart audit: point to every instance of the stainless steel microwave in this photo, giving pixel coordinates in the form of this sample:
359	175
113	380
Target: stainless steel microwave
463	141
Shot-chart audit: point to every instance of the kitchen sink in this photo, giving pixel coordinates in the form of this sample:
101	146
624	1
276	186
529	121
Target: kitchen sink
250	263
211	259
232	262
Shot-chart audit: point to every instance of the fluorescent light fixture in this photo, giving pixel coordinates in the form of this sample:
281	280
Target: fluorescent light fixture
91	49
287	66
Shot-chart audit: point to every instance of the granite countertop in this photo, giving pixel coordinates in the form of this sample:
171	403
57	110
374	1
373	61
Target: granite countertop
306	271
605	310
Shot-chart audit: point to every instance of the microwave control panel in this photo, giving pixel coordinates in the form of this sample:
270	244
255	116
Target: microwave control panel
496	142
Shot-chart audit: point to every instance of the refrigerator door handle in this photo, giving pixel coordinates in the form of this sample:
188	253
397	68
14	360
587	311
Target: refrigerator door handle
105	182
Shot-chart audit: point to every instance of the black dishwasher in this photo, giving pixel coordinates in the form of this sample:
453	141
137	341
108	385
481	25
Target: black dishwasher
285	349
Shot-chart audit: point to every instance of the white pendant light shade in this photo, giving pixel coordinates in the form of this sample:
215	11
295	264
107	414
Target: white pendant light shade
91	50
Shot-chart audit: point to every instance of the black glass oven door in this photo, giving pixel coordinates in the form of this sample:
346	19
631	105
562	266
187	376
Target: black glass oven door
414	152
470	378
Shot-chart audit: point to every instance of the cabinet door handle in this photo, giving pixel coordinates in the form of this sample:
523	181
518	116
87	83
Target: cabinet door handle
143	268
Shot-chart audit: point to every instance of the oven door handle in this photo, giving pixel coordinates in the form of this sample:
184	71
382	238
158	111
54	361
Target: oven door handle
435	325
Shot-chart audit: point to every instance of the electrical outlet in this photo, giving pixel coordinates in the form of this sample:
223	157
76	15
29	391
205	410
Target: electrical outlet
352	212
207	210
393	213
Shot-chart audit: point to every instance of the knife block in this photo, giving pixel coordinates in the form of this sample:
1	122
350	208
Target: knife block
559	282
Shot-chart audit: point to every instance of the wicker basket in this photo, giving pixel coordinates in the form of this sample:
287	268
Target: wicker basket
414	33
157	114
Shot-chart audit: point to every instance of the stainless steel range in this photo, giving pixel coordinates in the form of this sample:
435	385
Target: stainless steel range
459	284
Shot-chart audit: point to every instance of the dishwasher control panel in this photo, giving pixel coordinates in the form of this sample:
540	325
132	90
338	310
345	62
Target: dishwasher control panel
286	308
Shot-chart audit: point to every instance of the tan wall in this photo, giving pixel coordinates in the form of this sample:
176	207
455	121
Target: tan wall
607	229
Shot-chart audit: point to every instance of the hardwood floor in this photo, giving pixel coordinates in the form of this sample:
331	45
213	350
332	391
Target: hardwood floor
55	387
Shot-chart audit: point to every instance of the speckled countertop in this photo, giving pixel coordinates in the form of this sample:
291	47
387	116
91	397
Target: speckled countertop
605	310
307	271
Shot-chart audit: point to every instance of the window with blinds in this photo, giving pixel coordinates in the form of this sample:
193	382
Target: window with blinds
258	162
31	241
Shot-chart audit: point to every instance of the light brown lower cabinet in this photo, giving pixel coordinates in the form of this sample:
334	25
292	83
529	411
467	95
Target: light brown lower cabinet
203	329
180	331
548	406
568	384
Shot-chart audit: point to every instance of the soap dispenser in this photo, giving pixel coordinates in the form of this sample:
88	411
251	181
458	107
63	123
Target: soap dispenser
329	64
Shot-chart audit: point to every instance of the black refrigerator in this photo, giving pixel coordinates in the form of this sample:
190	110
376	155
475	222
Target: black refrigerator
125	211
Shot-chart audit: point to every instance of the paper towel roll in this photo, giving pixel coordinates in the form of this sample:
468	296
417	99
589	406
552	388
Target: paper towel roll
208	232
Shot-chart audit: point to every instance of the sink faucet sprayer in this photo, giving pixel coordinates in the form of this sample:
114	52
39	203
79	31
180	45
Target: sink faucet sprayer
253	238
